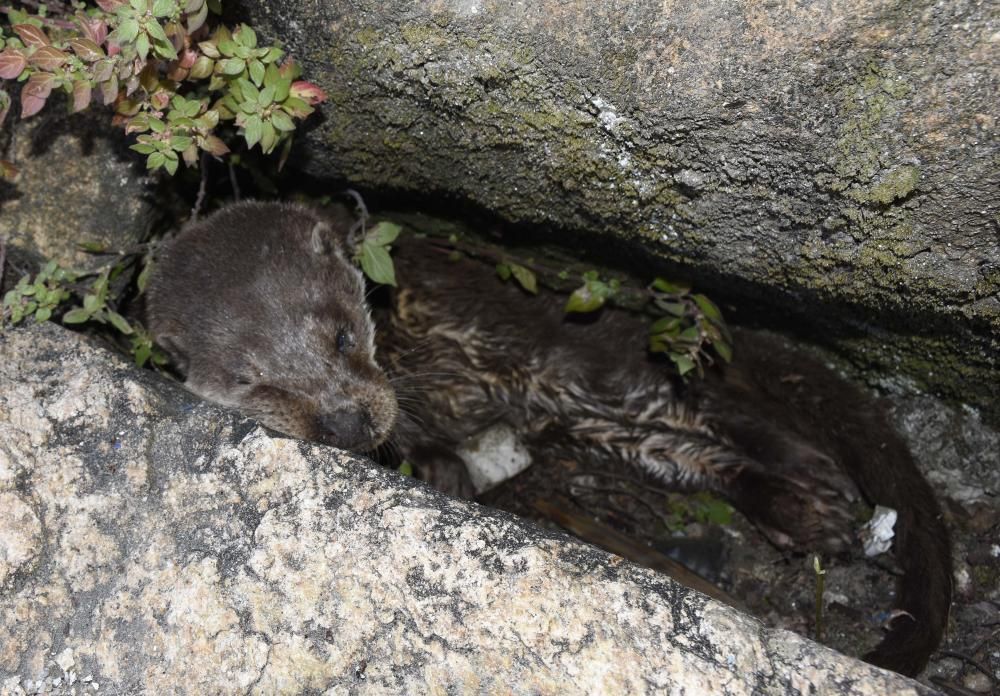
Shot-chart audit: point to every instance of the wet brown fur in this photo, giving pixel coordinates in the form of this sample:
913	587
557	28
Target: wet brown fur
784	438
250	311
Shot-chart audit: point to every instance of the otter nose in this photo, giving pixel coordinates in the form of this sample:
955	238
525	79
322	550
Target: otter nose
346	428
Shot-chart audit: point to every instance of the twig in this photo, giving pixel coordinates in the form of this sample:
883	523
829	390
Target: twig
202	188
558	510
968	659
233	182
362	209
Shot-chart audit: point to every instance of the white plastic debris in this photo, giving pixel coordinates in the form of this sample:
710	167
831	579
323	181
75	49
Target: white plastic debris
877	534
493	456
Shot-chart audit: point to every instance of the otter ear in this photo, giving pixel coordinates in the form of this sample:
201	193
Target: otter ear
326	239
321	239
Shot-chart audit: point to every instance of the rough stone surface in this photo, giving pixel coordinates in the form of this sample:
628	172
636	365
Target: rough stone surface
838	160
149	543
77	183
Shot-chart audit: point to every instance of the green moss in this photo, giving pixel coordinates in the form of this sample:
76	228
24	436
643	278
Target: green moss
366	37
896	185
870	107
422	35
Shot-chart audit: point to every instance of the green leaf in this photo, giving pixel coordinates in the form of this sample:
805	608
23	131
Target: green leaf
143	149
180	143
231	66
525	277
281	87
406	469
257	72
164	8
91	303
127	31
43	314
142	46
718	512
268	137
584	299
266	97
670	288
690	335
170	165
377	264
246	36
210	49
683	362
678	309
143	280
664	324
384	233
119	322
707	307
503	270
141	353
250	92
76	316
252	130
724	350
282	121
155	160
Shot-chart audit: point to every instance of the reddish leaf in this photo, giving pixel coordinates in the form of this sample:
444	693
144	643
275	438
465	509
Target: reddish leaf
308	91
109	5
94	29
48	58
160	100
11	64
81	95
34	94
131	85
102	70
109	90
187	58
214	146
87	49
31	35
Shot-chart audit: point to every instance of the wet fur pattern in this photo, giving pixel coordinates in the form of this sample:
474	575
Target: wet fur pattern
787	441
253	304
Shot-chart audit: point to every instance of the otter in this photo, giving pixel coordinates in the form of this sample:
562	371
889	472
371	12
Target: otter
467	353
260	309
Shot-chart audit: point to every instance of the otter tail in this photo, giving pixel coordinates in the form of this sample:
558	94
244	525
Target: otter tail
787	389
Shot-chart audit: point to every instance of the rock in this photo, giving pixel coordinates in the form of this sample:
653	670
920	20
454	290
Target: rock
834	164
152	543
78	183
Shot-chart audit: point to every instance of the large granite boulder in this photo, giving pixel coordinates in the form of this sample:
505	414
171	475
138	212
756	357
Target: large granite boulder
150	543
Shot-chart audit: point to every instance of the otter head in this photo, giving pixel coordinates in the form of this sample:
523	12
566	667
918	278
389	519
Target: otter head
262	310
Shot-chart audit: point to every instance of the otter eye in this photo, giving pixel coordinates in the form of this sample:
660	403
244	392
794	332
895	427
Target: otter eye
345	341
